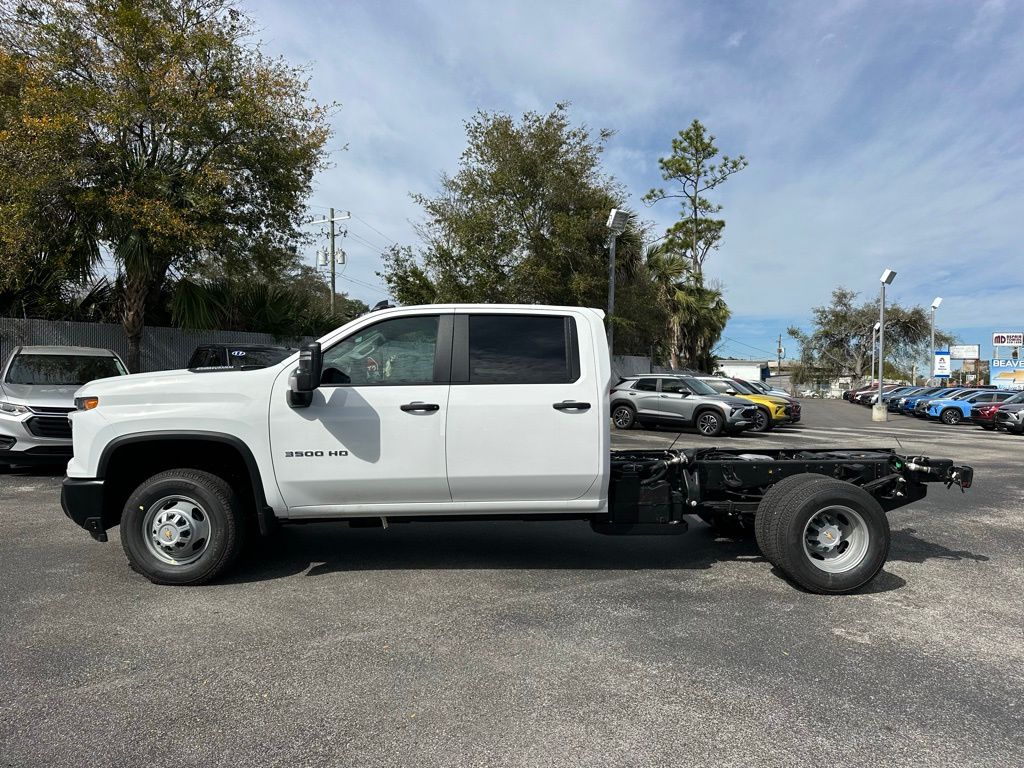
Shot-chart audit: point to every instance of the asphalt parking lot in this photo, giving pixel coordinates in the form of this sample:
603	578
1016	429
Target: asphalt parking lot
528	644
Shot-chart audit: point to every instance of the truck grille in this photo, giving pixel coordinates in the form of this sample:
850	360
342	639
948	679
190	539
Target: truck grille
49	426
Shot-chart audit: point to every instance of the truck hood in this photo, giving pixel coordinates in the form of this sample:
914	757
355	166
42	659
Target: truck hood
182	385
52	395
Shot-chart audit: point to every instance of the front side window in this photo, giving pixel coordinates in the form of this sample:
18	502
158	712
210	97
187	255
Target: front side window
519	349
62	370
718	385
675	386
398	351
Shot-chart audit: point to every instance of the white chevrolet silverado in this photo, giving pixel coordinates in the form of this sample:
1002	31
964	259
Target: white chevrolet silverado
449	412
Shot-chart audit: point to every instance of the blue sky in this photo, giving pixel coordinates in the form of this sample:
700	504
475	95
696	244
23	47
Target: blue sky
878	133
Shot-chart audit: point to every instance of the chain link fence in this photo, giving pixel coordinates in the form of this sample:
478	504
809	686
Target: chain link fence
161	349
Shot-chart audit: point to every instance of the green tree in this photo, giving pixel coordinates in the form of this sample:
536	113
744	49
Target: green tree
839	343
524	220
155	129
693	171
694	314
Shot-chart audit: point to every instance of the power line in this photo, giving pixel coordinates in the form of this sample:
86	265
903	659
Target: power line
391	240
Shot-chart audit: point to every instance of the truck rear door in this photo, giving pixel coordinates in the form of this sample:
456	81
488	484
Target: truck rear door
525	411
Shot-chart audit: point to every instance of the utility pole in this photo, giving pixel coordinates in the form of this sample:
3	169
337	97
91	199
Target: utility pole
778	351
343	216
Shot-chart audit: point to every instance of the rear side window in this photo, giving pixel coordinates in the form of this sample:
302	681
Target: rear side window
646	385
522	349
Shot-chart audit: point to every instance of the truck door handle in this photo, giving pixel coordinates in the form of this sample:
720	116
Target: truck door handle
420	407
570	405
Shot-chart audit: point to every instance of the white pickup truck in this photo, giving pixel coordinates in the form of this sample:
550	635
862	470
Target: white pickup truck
449	412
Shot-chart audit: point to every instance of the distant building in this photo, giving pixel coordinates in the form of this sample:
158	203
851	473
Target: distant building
756	370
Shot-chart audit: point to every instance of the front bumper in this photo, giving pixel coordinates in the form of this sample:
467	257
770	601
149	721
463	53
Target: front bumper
35	438
82	501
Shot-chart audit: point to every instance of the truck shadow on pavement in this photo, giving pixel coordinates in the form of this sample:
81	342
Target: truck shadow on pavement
324	549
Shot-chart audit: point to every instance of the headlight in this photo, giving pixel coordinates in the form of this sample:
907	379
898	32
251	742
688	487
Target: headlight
86	403
12	408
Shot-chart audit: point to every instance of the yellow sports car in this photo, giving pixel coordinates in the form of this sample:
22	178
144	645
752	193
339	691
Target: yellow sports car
771	410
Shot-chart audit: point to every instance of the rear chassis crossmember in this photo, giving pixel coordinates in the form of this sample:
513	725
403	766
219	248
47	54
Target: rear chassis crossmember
651	491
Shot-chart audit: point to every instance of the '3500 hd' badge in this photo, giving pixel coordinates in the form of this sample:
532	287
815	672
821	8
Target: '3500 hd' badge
312	454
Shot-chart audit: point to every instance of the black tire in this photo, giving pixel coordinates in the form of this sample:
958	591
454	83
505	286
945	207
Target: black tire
709	422
762	421
220	514
623	416
788	522
951	416
770	501
988	427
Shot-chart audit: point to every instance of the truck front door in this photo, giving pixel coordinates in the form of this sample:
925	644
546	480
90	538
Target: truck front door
374	433
526	411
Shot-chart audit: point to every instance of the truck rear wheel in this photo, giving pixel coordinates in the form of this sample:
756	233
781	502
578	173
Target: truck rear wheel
772	498
826	535
182	527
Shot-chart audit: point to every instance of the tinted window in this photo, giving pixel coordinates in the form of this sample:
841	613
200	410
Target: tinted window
258	358
718	385
62	370
398	351
511	349
646	385
673	385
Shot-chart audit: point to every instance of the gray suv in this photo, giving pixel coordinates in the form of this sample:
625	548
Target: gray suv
678	401
37	392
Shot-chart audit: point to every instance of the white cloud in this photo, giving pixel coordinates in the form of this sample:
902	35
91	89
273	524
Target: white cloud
873	139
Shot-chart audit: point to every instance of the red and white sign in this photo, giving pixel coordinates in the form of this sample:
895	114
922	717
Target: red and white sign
1008	339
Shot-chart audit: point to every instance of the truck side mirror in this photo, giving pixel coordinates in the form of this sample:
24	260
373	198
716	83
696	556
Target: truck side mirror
306	378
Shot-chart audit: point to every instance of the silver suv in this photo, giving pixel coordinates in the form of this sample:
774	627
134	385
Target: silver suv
678	401
37	392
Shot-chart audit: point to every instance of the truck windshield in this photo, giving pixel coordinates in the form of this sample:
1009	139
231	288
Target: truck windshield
62	370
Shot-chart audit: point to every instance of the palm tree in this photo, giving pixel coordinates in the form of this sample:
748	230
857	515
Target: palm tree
697	314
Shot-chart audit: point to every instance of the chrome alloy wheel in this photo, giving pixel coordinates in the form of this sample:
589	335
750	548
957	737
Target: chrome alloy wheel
622	417
836	539
176	530
707	424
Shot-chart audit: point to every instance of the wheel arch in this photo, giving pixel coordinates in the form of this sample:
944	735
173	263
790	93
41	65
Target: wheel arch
127	459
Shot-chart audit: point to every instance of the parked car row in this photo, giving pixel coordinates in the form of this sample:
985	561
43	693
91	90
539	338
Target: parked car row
987	407
711	404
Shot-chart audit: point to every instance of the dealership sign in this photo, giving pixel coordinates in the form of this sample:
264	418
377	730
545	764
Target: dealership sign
965	351
1006	374
1008	339
942	364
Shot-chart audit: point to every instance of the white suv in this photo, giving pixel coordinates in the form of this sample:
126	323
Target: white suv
37	392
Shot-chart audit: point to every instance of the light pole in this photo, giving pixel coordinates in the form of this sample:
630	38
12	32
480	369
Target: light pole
931	365
617	221
874	332
879	412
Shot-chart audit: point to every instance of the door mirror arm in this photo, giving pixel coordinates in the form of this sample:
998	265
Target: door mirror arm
305	379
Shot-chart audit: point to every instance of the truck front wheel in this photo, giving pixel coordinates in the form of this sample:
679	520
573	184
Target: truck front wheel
828	536
182	527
